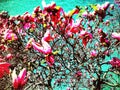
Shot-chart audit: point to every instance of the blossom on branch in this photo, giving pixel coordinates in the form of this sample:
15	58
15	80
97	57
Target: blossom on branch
10	36
20	80
47	37
85	36
45	48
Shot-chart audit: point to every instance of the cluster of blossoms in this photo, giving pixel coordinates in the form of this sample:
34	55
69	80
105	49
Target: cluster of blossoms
53	36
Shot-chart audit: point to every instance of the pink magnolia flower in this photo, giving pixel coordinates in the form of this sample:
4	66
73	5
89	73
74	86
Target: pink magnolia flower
55	17
45	48
53	11
50	60
20	80
9	35
76	27
4	68
68	19
73	28
116	36
93	53
47	37
115	62
85	36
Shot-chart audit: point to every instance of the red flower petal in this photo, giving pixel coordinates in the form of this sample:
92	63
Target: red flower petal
50	60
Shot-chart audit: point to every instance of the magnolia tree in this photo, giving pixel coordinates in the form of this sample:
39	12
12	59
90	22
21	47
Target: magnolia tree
51	48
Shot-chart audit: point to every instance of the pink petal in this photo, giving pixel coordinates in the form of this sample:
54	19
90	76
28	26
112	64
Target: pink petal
22	73
22	76
47	37
46	46
38	47
116	36
106	5
14	79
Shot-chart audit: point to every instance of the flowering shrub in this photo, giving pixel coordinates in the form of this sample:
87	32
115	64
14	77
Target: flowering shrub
49	48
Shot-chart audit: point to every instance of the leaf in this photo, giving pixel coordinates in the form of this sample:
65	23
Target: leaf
82	10
57	7
94	7
31	30
43	61
9	41
56	52
44	25
71	12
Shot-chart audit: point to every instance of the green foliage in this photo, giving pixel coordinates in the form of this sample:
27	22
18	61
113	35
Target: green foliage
82	10
93	6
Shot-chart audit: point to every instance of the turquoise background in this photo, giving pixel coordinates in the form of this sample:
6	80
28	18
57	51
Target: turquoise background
16	7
